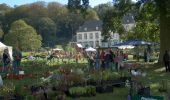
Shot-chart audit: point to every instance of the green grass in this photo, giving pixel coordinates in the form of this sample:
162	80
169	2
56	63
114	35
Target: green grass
155	74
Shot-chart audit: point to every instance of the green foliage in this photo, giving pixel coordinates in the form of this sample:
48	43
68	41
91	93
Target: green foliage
91	15
101	9
145	31
78	91
108	75
1	32
70	48
47	29
7	90
74	5
23	36
112	22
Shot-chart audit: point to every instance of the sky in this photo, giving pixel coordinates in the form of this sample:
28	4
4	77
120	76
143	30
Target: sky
20	2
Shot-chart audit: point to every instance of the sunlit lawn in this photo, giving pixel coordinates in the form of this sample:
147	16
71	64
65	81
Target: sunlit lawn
155	74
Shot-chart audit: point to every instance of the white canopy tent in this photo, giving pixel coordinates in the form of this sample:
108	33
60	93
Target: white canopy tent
3	46
57	49
79	45
126	47
90	49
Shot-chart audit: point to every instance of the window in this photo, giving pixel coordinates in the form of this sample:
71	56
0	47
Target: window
80	36
97	28
85	28
91	43
91	35
97	35
97	43
85	35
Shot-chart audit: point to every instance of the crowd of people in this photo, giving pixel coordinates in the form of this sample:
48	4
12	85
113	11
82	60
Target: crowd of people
106	59
7	60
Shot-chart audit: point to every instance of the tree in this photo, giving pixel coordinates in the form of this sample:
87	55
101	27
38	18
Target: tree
145	31
91	15
4	9
47	29
112	22
1	33
147	25
163	7
75	5
23	36
101	9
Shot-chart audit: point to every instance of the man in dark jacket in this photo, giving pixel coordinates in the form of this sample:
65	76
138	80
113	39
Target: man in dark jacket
166	61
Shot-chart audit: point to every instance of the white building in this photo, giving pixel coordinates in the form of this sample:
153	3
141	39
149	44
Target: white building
89	34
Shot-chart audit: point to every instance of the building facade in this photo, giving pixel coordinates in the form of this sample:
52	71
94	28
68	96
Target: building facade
89	35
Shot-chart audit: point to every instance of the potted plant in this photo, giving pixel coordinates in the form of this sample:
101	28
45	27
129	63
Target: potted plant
7	91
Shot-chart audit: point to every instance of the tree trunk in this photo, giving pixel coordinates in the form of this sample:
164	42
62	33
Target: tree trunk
164	28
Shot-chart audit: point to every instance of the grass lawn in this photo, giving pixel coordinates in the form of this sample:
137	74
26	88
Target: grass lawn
155	74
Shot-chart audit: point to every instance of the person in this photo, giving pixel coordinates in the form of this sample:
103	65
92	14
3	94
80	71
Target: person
116	60
149	51
17	56
6	60
112	56
97	59
145	55
166	61
107	59
102	58
120	61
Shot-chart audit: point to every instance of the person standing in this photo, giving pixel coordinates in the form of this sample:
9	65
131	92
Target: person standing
166	61
145	56
97	59
6	60
102	59
17	56
107	59
112	56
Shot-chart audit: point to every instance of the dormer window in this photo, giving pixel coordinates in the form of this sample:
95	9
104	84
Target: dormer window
97	28
85	28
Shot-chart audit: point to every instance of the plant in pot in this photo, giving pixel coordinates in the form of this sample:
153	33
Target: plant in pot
77	91
94	78
90	90
7	91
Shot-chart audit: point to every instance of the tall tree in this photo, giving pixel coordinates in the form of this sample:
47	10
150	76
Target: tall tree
101	9
144	30
22	36
47	29
147	25
74	5
91	15
1	33
4	9
163	7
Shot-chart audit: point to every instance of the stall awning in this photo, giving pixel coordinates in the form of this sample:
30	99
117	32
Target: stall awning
79	45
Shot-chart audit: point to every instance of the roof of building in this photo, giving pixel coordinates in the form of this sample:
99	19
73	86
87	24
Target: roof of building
91	25
128	19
